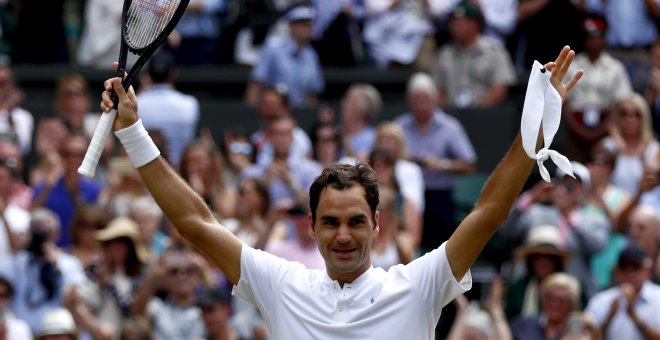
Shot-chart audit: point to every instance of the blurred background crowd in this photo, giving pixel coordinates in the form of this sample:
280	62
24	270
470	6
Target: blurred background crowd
94	258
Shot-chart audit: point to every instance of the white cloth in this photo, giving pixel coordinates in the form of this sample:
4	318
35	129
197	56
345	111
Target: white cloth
541	96
411	181
19	223
404	302
17	329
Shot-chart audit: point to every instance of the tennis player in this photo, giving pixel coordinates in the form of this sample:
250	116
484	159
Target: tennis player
350	299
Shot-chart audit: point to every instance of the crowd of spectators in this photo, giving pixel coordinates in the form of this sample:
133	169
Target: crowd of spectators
94	258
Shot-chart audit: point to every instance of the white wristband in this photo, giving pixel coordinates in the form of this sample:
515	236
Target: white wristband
139	146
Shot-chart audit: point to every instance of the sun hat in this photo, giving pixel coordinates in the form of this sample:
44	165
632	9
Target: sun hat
543	240
124	227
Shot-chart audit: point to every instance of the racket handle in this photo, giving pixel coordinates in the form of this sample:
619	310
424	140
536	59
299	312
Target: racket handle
95	149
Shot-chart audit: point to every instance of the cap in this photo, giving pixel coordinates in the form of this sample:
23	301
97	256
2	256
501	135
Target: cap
300	13
211	297
57	321
467	9
544	239
594	25
632	253
580	171
124	227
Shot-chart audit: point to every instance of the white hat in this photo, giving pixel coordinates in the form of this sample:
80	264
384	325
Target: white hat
57	321
543	239
580	171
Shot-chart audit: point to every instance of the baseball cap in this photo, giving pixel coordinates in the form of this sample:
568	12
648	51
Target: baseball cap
632	253
580	171
300	13
211	297
467	9
594	25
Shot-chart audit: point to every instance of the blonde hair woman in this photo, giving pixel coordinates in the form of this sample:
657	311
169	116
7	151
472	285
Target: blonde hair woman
631	139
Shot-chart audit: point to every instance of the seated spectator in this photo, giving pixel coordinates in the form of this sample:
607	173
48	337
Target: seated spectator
165	109
439	144
288	176
15	121
631	309
274	103
64	188
644	231
11	327
73	103
631	139
390	137
584	228
20	193
89	219
472	71
149	218
42	273
215	305
326	142
14	220
175	316
291	61
560	295
543	256
360	107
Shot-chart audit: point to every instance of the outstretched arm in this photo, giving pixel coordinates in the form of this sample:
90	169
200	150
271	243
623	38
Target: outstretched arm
182	206
502	187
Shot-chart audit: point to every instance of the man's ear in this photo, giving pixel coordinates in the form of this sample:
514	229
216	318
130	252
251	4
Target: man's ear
377	226
310	226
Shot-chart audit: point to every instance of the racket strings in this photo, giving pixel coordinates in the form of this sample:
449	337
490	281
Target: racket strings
147	19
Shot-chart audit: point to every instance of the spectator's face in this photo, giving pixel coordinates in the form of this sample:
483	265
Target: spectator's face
594	44
542	265
215	317
271	104
557	303
301	30
421	105
182	275
463	30
643	229
390	143
73	153
10	150
197	161
344	232
633	273
6	181
630	120
116	250
326	144
281	135
6	83
147	224
352	109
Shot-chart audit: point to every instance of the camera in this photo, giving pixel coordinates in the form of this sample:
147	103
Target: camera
38	237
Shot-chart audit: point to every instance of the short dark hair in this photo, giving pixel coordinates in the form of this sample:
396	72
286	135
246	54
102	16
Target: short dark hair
343	176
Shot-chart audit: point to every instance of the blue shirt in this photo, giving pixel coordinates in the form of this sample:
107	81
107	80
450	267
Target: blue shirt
61	202
282	62
445	137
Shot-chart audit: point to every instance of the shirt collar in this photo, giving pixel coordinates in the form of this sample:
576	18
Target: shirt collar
364	277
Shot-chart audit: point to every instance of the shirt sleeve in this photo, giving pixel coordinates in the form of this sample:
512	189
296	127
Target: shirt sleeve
261	274
432	274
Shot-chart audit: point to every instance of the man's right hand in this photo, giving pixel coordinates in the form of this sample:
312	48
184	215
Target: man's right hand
127	110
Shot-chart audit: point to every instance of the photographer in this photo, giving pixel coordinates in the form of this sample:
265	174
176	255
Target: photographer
42	272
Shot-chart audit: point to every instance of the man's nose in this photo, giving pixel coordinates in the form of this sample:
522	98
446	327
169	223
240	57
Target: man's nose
343	234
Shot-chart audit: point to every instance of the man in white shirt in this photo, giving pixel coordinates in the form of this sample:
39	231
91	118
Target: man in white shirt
350	299
165	109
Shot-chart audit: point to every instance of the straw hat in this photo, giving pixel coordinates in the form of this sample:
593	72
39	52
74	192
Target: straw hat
543	240
124	227
57	321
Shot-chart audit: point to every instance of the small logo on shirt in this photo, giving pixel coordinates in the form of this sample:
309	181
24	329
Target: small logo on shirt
372	300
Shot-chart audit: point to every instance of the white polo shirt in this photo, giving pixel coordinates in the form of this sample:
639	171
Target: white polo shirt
298	303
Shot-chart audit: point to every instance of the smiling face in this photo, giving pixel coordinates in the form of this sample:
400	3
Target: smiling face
343	231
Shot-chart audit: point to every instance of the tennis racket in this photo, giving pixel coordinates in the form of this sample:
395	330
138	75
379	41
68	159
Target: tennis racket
145	25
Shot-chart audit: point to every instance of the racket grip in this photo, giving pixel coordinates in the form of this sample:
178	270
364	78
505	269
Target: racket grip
95	149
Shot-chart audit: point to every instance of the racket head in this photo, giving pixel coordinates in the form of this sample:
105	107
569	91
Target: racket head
145	25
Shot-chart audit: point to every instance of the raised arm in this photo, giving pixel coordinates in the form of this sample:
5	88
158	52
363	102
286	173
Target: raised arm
502	187
182	206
